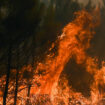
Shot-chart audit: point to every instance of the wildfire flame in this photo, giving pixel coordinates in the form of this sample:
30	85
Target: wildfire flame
73	42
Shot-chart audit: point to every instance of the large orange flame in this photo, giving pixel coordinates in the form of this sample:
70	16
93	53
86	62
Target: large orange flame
74	42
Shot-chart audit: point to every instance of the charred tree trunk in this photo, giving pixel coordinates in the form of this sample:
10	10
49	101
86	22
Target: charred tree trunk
8	74
33	60
28	94
29	88
16	87
17	74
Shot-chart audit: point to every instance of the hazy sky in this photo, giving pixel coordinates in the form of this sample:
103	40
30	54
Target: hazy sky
95	2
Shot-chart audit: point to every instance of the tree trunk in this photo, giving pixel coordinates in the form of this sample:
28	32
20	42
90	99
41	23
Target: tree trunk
29	88
17	73
33	60
29	84
8	74
28	94
16	88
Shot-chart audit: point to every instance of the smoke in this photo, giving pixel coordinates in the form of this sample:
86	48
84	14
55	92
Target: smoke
94	2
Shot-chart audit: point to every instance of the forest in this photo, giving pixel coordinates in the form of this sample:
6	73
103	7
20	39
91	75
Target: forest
36	54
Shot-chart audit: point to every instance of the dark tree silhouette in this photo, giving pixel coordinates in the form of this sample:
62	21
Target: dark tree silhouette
8	73
17	77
